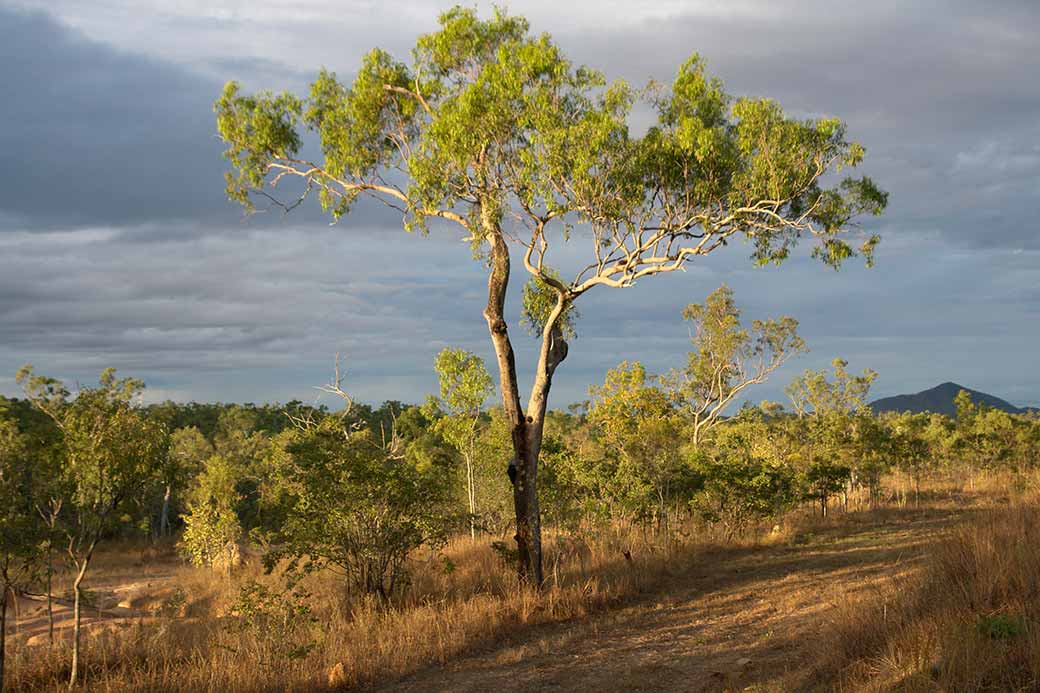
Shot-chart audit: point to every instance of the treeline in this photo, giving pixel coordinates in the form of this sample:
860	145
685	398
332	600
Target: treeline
626	455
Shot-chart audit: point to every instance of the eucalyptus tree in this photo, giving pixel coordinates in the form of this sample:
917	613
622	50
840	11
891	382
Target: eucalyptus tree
727	358
212	530
465	386
354	502
112	450
940	434
491	129
972	437
833	415
910	447
742	479
813	394
189	451
37	441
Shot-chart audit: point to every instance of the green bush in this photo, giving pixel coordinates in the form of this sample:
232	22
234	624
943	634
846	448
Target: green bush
211	526
739	489
354	503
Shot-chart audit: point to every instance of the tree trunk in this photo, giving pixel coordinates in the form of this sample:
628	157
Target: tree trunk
526	429
75	621
164	516
471	494
529	554
50	597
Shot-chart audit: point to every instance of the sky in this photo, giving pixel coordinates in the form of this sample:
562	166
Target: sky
119	248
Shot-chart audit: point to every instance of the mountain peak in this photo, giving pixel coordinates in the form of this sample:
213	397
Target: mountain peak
940	399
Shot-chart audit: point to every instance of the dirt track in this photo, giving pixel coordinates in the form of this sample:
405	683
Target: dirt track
746	619
111	602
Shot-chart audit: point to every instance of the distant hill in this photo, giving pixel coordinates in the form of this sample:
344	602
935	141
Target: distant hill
940	400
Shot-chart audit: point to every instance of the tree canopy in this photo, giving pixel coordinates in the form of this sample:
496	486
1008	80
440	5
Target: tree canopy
489	120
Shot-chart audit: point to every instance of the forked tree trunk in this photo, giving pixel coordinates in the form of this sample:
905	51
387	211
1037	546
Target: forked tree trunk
526	428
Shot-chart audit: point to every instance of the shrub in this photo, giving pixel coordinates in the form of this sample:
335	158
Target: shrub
272	626
354	504
211	526
739	489
823	479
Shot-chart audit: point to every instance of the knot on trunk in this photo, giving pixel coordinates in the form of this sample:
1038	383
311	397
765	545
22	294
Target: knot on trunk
557	349
496	324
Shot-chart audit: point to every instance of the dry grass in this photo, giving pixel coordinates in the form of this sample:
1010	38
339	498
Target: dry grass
970	621
464	599
444	612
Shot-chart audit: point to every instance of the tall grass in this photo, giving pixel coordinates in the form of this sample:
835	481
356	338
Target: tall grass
970	621
462	598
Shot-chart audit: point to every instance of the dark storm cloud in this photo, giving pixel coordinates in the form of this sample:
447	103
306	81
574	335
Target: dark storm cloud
94	136
942	94
117	246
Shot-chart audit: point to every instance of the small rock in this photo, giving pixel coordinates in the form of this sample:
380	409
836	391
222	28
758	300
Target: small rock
743	662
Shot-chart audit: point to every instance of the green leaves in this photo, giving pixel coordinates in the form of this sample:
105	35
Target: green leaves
211	526
353	502
812	393
464	381
727	357
537	303
258	129
464	41
489	122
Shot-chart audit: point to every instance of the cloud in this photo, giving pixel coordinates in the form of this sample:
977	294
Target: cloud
925	87
258	315
117	246
94	136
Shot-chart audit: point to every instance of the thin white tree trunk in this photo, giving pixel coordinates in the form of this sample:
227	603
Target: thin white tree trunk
472	496
164	516
77	596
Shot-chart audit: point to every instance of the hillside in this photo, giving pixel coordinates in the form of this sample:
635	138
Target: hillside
939	399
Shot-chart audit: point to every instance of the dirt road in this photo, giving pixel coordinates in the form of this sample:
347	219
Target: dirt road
752	619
